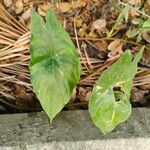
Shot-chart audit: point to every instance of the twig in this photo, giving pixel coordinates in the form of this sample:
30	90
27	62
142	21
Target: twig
76	38
100	69
78	46
11	19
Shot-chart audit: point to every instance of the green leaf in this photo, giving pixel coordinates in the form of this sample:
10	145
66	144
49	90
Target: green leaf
54	66
115	4
123	15
109	104
146	25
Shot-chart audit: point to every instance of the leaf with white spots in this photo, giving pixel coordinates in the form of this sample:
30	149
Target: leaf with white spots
54	66
109	104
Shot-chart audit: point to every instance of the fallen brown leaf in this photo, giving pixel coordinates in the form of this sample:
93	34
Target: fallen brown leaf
7	3
65	7
133	13
145	87
18	6
134	2
82	94
42	9
26	15
100	26
136	94
115	48
78	22
146	57
88	95
146	36
101	45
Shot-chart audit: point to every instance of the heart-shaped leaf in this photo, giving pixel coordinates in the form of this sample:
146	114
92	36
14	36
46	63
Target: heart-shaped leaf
109	104
54	66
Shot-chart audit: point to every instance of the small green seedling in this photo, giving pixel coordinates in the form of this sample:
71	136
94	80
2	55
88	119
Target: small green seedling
144	26
123	16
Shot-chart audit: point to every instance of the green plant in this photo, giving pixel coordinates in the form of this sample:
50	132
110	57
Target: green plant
123	15
109	104
144	26
55	70
54	66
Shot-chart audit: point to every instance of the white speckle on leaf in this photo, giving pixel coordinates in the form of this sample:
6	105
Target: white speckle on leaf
98	87
39	91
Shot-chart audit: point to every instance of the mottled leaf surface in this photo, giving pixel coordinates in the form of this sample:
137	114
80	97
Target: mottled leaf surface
109	104
54	66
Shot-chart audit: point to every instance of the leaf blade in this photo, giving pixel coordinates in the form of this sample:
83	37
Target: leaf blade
54	66
109	107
